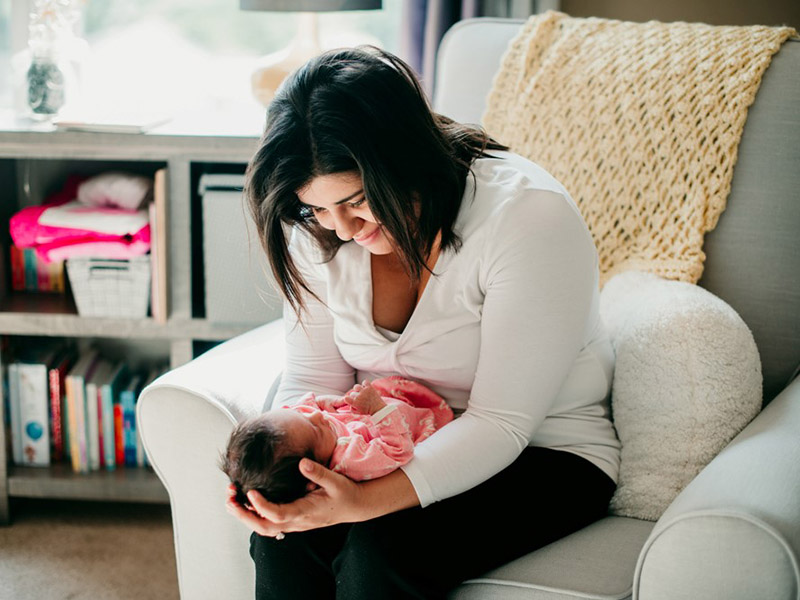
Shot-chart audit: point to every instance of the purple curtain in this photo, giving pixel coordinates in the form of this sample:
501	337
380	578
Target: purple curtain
424	24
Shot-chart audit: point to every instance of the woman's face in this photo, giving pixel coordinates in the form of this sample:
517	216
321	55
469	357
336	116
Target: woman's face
339	204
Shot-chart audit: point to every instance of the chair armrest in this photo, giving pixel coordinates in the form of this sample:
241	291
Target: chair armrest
734	532
185	418
236	376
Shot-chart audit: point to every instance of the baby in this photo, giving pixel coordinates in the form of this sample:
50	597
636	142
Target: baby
365	434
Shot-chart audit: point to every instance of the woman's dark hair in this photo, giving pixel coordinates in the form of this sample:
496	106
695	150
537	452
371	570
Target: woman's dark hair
256	459
360	110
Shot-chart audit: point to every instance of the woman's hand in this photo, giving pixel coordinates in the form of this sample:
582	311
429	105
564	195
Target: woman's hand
337	499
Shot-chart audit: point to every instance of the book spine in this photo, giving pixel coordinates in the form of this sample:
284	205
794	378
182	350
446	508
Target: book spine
72	412
101	454
109	456
81	428
17	269
92	429
56	436
14	413
65	422
42	275
129	427
57	276
31	277
119	435
34	401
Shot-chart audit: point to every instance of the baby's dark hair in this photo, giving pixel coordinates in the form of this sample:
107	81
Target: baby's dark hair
257	458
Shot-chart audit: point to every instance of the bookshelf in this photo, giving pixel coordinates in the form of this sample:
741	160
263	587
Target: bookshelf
33	165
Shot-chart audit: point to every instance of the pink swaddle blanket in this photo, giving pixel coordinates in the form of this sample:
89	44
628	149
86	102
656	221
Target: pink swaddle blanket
371	446
56	242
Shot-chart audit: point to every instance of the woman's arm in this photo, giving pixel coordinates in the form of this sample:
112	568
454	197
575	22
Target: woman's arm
539	275
337	500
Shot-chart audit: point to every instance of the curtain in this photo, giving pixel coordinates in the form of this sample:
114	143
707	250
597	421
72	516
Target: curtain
424	24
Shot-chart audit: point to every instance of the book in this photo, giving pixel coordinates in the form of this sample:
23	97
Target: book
108	390
42	275
31	274
158	248
76	407
52	276
34	423
33	396
65	420
128	397
94	415
119	433
17	269
56	376
111	122
14	413
57	276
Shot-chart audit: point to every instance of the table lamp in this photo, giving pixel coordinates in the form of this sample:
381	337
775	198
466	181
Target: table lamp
305	44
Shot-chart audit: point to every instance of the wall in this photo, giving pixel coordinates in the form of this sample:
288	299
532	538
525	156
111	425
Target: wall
714	12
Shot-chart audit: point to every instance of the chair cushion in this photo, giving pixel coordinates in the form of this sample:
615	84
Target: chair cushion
687	380
596	562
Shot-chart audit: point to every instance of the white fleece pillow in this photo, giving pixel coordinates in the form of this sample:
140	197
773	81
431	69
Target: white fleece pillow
687	380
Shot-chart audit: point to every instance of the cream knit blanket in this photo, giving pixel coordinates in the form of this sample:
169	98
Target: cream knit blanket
640	121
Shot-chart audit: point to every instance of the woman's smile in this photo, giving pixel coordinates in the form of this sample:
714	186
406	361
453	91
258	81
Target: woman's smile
369	238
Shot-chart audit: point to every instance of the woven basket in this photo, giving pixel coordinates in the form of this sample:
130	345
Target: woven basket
110	287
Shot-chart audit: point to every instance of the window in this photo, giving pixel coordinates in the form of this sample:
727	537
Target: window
191	59
5	53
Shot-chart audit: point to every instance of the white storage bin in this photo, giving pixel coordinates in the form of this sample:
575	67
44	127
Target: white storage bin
110	287
238	281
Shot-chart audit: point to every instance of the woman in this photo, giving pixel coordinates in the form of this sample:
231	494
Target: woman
421	248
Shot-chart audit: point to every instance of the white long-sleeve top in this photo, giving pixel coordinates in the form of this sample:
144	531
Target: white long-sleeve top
507	331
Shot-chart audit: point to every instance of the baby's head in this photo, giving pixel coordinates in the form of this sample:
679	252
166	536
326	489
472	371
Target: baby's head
264	453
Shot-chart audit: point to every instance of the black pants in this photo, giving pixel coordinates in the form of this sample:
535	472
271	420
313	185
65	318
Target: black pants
425	552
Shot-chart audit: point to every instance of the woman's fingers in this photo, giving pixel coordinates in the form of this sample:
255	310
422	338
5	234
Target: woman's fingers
324	478
251	520
276	513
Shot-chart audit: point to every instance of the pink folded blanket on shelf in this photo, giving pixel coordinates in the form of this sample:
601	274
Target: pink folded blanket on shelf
57	242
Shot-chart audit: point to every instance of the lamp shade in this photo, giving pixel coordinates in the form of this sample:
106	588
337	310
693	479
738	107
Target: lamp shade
309	5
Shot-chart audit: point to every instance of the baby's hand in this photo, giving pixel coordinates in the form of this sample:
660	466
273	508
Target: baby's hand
365	399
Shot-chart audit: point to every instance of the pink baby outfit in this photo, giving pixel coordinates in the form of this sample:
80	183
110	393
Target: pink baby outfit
370	446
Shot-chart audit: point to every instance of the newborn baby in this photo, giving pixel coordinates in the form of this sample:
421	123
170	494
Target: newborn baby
365	434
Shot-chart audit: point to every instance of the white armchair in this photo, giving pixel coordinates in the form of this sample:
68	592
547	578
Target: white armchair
733	533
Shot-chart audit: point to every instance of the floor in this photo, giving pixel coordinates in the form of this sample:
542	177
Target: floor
68	550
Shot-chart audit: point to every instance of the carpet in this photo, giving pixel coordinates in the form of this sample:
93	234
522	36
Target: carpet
68	550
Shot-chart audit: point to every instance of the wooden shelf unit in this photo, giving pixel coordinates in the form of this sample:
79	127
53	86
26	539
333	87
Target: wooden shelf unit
33	165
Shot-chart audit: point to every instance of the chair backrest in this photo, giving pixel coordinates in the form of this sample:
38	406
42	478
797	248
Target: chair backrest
753	255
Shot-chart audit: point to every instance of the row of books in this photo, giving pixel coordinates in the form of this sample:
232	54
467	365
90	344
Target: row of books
29	273
75	407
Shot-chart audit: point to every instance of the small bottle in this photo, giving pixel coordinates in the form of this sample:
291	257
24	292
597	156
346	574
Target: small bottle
51	77
46	86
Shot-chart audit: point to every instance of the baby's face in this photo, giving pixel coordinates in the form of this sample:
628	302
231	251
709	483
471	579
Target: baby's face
306	431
